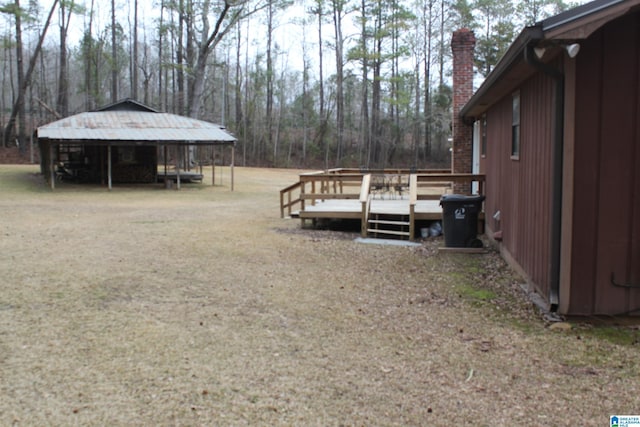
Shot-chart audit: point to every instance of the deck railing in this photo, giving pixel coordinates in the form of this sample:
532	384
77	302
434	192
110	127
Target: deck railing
319	186
291	203
326	186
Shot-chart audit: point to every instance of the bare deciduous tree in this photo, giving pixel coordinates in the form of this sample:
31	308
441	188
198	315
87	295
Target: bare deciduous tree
18	105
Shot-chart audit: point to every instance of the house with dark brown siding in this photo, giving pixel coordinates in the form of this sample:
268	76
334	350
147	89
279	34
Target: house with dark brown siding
558	134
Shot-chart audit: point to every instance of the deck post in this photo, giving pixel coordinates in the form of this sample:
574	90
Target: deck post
364	201
281	204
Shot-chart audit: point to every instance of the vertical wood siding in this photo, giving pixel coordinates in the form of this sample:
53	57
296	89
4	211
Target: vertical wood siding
606	238
520	189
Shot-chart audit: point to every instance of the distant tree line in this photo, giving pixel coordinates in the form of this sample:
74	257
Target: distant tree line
371	88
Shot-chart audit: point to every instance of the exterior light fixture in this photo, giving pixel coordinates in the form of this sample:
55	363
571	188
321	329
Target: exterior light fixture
572	50
539	51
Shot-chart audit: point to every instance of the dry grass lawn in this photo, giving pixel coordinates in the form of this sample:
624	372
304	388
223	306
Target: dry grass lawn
202	307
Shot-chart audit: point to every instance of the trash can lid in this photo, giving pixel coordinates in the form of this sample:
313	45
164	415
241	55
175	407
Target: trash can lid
460	198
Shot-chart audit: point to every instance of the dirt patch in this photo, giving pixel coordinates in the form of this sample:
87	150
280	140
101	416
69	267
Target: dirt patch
147	306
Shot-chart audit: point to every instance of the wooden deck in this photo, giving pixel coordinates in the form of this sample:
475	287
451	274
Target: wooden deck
352	209
387	202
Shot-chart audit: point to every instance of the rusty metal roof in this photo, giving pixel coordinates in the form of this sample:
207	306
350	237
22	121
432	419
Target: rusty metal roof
112	127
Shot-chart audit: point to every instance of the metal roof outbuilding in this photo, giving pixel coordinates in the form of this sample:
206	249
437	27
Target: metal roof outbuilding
128	123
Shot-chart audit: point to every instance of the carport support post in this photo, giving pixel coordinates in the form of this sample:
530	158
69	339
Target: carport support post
52	172
165	153
178	160
213	165
233	157
109	165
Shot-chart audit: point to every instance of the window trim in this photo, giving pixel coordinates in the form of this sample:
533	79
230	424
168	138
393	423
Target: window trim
483	136
516	137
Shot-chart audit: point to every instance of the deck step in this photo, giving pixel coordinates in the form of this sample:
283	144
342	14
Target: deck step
389	226
388	222
390	232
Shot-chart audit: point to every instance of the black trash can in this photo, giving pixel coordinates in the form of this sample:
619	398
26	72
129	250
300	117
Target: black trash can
460	220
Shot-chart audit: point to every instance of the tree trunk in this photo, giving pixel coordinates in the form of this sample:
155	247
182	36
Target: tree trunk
190	52
161	34
22	90
364	109
246	122
376	92
394	108
62	104
206	46
180	61
322	126
427	83
239	120
88	51
305	95
21	80
269	99
134	60
442	37
416	114
337	25
7	80
114	55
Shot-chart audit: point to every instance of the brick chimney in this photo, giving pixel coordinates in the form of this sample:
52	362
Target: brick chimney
463	43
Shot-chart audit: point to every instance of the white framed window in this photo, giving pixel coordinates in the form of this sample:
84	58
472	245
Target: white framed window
515	126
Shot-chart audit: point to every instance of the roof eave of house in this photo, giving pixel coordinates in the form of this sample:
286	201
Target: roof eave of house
576	14
570	26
